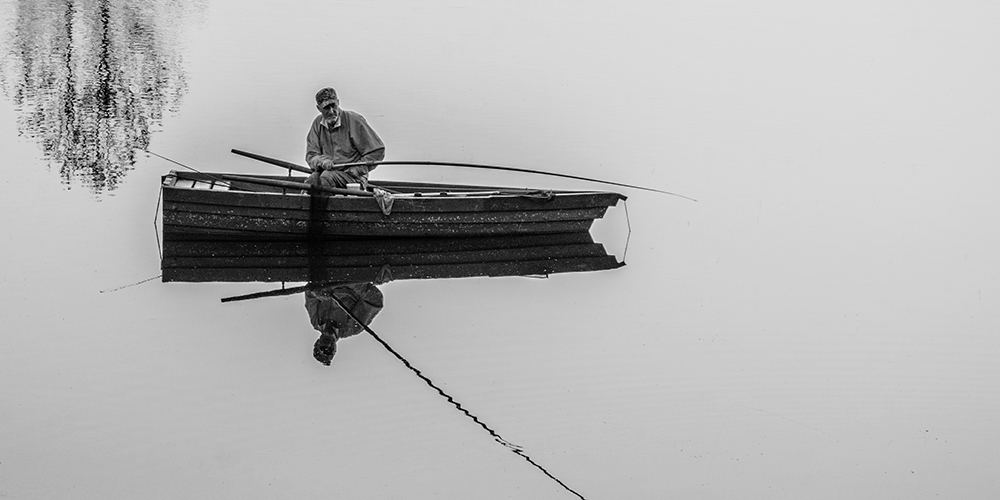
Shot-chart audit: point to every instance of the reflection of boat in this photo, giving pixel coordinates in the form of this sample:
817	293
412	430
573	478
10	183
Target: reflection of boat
380	259
218	205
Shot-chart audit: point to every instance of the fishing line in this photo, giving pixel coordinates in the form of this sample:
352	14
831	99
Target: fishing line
518	450
159	247
173	161
131	285
628	237
210	176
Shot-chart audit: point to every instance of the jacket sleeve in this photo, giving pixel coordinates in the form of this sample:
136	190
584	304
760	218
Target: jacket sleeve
314	158
366	141
364	300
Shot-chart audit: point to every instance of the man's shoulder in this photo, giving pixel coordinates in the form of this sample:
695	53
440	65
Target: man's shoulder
351	115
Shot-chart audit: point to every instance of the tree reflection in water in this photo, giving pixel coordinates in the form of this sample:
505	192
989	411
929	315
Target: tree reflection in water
91	79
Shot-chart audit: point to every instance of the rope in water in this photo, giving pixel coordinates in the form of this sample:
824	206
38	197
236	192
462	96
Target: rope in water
519	451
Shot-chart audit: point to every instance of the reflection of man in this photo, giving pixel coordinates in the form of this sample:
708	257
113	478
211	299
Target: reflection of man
363	300
340	136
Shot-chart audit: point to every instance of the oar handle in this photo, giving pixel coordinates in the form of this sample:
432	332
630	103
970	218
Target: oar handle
273	161
284	291
293	166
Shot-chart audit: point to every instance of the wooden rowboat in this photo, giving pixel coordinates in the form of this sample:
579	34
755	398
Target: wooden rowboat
359	260
273	207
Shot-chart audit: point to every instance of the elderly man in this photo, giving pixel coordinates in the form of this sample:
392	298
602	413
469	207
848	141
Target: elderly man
339	136
363	300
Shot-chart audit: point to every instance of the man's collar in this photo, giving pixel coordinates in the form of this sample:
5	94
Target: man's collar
335	124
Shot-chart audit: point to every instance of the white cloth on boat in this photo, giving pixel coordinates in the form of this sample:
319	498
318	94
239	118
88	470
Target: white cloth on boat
384	199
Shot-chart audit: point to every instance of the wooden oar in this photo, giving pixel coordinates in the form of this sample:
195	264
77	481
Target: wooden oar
284	291
294	185
274	161
272	293
285	164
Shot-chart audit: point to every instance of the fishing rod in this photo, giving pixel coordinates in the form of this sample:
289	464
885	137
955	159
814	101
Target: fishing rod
175	162
289	165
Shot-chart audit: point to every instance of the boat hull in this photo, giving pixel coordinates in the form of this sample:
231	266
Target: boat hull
194	205
375	260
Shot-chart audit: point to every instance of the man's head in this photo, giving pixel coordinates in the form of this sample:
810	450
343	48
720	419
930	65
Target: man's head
327	103
325	348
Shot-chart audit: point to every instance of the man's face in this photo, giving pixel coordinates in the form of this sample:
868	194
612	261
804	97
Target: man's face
331	110
330	328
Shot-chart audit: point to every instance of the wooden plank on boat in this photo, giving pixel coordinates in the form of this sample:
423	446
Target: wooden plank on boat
209	223
191	247
485	217
488	255
362	274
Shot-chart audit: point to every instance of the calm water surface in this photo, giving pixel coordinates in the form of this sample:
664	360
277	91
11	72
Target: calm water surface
823	323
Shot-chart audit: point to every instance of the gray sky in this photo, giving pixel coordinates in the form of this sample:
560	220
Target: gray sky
820	324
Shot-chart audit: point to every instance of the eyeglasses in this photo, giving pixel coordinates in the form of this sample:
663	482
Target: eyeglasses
330	106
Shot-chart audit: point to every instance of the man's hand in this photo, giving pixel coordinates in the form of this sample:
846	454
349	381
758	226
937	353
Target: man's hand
358	171
325	163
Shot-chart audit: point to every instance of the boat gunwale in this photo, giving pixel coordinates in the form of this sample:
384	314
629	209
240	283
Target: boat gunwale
542	266
409	186
398	217
497	203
